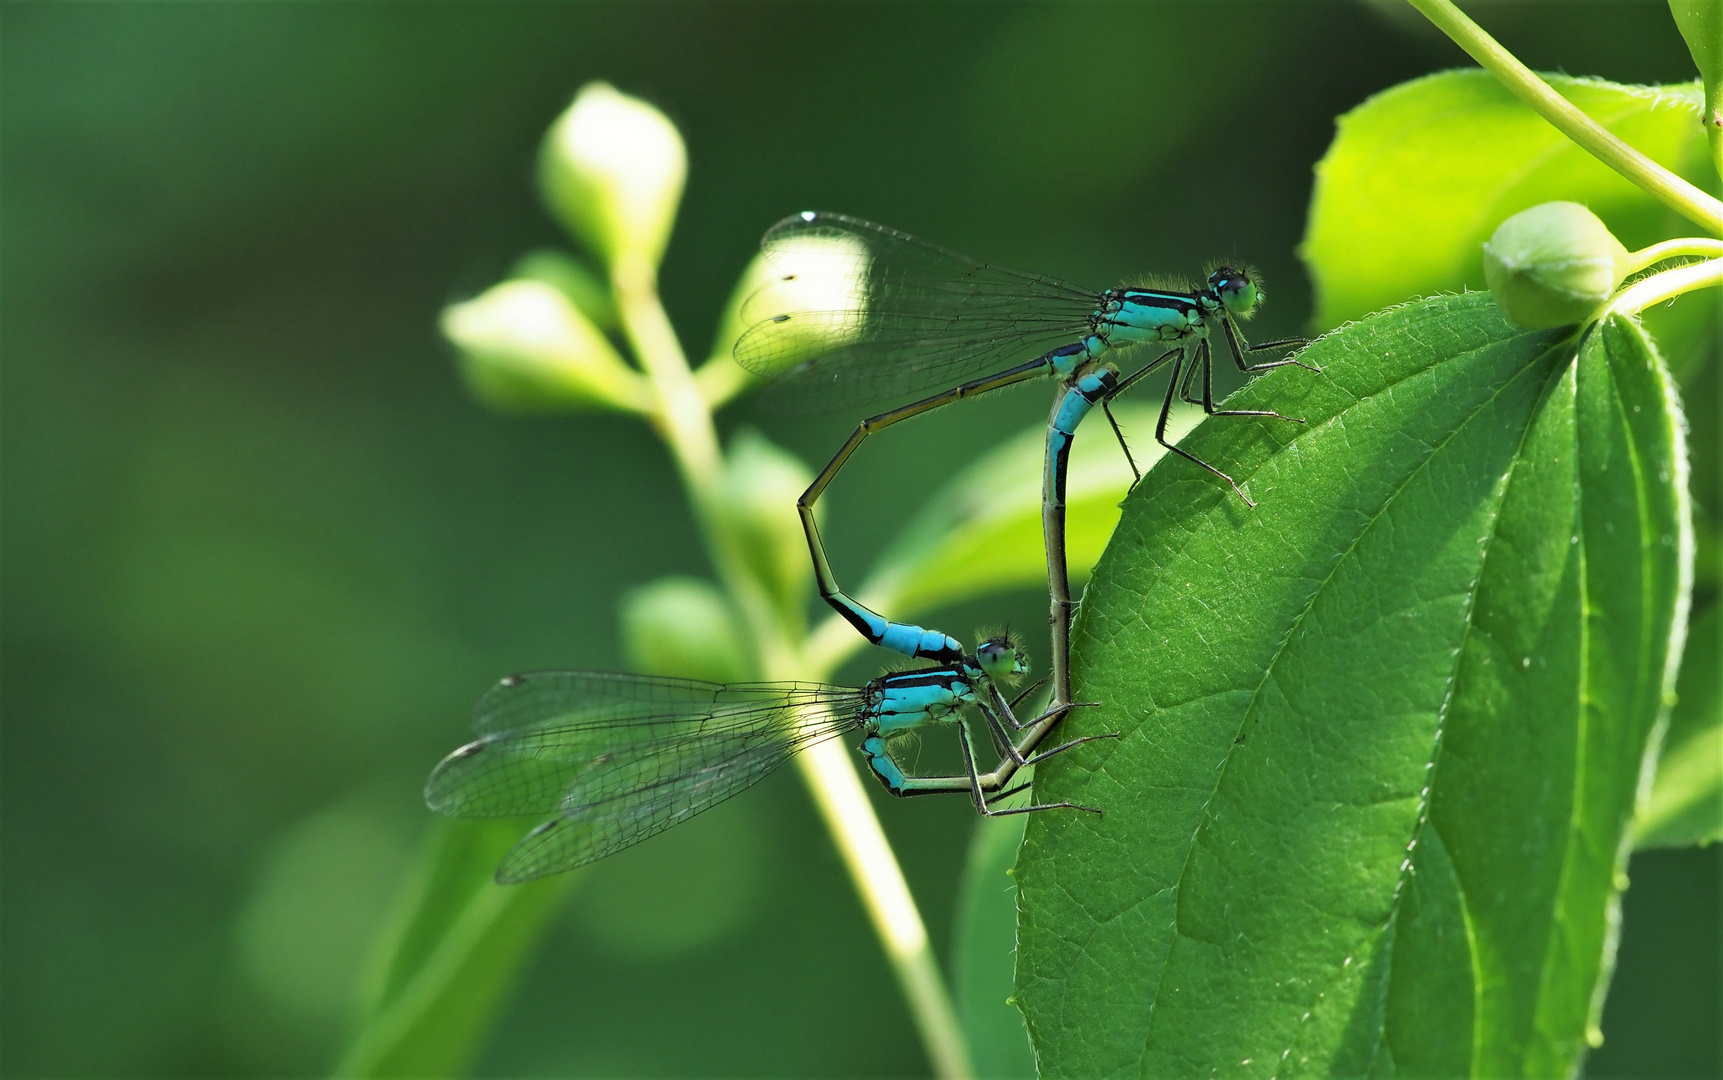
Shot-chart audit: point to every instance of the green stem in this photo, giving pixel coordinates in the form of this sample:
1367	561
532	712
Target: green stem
684	419
721	379
1567	118
1666	286
1697	246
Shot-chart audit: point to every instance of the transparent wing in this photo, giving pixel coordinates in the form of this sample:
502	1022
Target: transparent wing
589	832
860	312
619	758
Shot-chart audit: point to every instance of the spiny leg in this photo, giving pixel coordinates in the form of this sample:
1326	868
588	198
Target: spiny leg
1161	429
996	732
996	727
1008	792
1118	433
980	797
1147	369
1027	690
1205	366
1239	349
1023	753
1000	796
1064	746
1052	713
1207	401
1125	384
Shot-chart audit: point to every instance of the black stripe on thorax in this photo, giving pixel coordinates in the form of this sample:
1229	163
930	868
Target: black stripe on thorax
1156	298
939	676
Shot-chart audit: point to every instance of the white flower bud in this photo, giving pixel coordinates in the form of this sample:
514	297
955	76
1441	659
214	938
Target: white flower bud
612	169
524	345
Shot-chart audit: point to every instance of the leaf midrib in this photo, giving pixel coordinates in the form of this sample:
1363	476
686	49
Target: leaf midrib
1469	627
1310	601
1646	547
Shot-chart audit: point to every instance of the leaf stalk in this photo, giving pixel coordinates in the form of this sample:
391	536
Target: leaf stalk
1667	285
1603	144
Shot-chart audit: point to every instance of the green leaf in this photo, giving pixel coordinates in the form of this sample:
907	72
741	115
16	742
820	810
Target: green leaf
1686	805
981	533
1701	23
451	956
985	953
1420	175
1380	736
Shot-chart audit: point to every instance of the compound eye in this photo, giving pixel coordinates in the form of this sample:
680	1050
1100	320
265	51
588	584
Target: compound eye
999	658
1235	290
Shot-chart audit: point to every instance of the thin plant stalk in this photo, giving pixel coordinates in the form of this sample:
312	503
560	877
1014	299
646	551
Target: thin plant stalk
1667	285
683	417
1603	144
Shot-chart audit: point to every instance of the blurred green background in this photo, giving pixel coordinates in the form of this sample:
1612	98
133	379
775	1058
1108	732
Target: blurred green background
261	552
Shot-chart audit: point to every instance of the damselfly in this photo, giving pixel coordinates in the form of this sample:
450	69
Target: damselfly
861	312
620	758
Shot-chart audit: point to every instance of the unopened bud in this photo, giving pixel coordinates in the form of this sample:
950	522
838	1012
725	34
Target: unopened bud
612	169
524	345
1553	265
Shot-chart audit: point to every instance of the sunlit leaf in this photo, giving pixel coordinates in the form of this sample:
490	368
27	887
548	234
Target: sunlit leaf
1701	23
1382	735
1420	175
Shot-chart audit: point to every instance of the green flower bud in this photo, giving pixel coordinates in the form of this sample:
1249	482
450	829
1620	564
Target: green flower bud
524	346
757	500
683	627
1553	265
612	169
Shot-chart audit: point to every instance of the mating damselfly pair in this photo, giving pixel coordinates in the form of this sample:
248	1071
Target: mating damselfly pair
855	313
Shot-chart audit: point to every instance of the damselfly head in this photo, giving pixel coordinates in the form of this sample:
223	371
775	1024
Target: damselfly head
1237	292
1002	658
